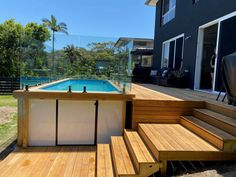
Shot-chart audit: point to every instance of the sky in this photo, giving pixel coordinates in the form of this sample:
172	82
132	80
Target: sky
102	18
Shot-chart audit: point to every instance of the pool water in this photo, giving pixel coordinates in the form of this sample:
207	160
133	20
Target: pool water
78	85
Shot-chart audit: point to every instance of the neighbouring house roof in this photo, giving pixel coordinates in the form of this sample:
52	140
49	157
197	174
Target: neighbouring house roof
151	2
125	40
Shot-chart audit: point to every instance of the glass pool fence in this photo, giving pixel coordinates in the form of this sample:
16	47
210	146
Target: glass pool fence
71	56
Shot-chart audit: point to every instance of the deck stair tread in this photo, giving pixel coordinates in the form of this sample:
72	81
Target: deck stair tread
175	137
218	116
139	148
210	128
122	162
104	161
143	161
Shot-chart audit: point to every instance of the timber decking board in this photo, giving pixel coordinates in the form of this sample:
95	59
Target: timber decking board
143	161
218	120
214	135
174	142
50	161
220	117
145	93
173	139
120	156
138	147
104	161
214	130
156	92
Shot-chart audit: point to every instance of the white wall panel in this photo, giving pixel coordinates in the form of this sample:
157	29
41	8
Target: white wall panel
110	120
76	122
42	122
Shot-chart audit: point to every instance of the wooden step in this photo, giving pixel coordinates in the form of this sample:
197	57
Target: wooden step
161	111
175	142
220	121
224	109
215	136
104	161
141	156
122	162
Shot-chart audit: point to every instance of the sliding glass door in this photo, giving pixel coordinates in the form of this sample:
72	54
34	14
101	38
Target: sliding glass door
226	46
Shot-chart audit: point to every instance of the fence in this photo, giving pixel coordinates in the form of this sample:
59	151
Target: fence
8	85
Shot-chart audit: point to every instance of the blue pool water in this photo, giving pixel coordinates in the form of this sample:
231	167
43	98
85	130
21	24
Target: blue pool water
78	85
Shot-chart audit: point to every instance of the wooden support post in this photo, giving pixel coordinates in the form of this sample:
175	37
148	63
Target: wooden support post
20	116
25	123
163	168
124	114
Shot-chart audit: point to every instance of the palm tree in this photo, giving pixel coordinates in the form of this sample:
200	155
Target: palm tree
72	53
55	27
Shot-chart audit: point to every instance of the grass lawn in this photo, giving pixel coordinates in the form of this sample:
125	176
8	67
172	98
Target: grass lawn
8	129
7	100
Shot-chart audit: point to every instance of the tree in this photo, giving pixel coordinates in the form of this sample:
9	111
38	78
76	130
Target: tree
34	37
54	27
10	33
72	53
21	47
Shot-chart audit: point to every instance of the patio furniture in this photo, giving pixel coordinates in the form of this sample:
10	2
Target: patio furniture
172	78
229	77
141	75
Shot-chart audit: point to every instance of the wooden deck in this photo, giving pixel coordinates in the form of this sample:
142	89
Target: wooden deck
156	92
50	162
173	96
168	124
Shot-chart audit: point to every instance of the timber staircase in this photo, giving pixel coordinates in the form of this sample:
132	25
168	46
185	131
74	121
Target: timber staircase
198	131
127	156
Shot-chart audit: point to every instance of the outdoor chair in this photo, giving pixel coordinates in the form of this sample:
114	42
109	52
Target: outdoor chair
141	75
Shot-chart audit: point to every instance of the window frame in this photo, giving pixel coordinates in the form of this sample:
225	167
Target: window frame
167	14
168	42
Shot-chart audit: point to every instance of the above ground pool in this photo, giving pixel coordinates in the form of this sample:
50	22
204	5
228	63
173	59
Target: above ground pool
79	85
52	115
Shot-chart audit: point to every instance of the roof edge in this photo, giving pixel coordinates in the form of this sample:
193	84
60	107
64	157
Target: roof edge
151	2
128	39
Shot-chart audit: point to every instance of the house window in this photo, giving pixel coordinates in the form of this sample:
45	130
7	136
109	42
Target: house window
195	1
168	10
165	55
172	53
146	61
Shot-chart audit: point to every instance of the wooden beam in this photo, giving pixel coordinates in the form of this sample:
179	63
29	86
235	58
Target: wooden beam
20	116
72	96
25	123
163	168
124	114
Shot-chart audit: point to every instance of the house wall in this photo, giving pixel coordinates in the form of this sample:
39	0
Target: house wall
187	20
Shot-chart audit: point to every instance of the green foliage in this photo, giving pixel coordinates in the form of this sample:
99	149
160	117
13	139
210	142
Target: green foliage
10	33
21	47
54	26
22	52
82	62
37	32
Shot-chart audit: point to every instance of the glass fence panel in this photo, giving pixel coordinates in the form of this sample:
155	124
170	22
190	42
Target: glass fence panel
71	56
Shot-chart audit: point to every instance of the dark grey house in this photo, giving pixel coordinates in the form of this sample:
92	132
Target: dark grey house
189	32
